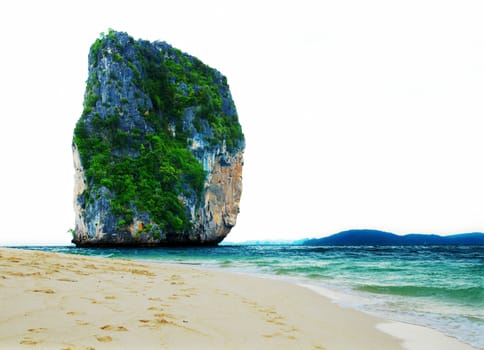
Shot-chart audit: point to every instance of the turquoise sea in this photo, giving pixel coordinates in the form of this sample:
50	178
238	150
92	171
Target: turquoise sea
441	287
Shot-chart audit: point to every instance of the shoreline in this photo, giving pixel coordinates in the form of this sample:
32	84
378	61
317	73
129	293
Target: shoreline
413	337
62	301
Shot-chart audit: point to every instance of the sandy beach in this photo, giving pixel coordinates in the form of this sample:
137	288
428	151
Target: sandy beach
56	301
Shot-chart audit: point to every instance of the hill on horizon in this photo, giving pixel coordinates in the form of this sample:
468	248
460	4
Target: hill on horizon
375	237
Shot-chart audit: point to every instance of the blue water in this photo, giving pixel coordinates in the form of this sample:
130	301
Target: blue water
441	287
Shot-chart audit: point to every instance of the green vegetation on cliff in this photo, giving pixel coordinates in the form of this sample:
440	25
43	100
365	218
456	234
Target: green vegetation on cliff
134	135
150	182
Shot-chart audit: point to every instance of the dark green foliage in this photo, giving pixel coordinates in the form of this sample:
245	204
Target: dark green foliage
204	90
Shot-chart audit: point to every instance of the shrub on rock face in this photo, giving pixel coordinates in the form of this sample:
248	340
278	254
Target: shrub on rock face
158	150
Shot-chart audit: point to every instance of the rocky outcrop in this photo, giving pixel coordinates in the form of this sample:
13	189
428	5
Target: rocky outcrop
158	150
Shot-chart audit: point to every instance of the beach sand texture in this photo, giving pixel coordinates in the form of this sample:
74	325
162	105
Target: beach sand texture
56	301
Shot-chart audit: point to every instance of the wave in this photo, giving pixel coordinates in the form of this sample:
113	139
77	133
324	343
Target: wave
471	295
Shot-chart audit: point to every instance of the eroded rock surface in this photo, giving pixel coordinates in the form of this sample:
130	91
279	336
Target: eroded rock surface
158	150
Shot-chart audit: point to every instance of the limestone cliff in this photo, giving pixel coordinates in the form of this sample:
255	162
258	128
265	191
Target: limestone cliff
158	150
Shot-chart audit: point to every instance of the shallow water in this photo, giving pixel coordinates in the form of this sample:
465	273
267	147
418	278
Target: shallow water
441	287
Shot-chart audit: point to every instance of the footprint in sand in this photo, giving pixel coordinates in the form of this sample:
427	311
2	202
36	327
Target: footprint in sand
110	327
14	259
154	324
36	330
162	321
46	291
104	338
67	280
277	321
175	279
21	274
90	266
189	292
142	272
30	341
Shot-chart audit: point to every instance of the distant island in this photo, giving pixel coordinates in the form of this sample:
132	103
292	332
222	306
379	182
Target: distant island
375	237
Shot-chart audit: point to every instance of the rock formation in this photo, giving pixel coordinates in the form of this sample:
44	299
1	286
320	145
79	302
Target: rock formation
158	150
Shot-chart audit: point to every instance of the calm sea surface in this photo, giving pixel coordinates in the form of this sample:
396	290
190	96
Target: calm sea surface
441	287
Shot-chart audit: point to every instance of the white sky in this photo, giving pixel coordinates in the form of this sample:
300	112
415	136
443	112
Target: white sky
357	114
